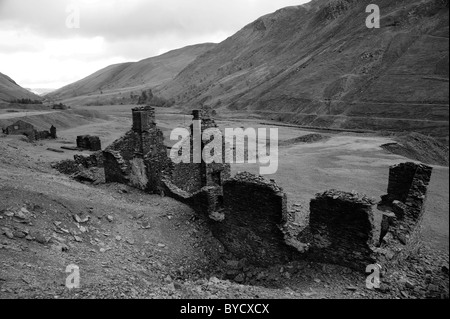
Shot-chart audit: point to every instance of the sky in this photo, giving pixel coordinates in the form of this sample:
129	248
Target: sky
52	43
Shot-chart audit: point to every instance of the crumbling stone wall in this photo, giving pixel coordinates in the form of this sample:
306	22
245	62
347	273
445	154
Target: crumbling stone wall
341	229
44	135
208	202
254	212
84	168
187	177
116	168
156	159
94	160
403	211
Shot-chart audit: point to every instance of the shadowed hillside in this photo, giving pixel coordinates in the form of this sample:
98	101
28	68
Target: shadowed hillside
319	65
10	90
117	82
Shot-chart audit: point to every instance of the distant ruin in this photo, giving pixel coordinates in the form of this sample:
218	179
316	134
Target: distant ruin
90	143
249	214
26	129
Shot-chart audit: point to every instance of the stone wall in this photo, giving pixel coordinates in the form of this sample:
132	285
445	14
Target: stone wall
187	176
94	160
156	159
341	229
116	167
254	212
406	208
403	212
117	157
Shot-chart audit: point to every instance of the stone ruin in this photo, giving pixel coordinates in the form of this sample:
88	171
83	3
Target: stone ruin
249	214
84	168
24	128
342	229
142	160
90	143
404	207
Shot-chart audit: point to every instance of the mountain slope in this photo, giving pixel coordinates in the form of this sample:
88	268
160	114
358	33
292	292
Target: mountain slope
133	76
10	90
319	65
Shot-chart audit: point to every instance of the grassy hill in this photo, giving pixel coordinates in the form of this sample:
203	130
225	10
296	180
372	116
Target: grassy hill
10	90
116	83
319	65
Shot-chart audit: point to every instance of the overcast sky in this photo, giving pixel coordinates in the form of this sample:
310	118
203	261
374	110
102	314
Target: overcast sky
39	50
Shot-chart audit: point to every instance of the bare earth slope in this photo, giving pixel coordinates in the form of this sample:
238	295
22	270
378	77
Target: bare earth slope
10	90
133	76
319	65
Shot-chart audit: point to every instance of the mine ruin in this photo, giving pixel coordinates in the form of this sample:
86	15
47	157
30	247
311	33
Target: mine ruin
26	129
249	215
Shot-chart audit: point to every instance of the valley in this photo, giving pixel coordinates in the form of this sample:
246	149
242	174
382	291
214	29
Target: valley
362	156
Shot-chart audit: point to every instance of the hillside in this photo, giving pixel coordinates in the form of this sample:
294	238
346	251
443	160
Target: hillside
420	148
319	65
10	90
118	81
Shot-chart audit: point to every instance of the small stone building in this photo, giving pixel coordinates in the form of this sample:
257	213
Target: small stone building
23	128
91	143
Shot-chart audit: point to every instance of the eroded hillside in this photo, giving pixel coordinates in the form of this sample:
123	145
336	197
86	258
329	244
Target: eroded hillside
319	65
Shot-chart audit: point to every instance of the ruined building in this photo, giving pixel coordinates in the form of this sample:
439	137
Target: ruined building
404	207
142	160
249	214
23	128
342	229
90	143
140	157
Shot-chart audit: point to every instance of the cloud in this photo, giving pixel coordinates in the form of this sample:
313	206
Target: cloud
111	30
